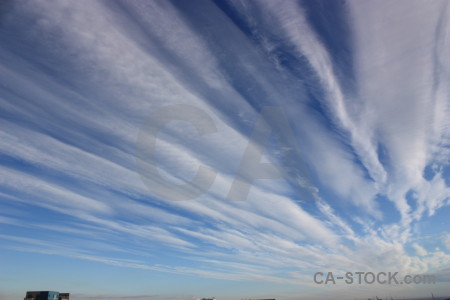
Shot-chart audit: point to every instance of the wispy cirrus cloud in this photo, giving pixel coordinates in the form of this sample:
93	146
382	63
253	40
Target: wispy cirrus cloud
368	112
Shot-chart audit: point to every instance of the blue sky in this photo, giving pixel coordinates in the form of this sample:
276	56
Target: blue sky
364	162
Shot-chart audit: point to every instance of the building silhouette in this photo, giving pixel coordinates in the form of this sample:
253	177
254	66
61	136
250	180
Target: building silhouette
46	295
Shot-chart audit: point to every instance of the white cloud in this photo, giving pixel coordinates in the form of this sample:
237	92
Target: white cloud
396	80
447	241
79	123
419	249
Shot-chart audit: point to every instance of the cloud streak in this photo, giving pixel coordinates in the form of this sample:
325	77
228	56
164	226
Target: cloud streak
372	128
